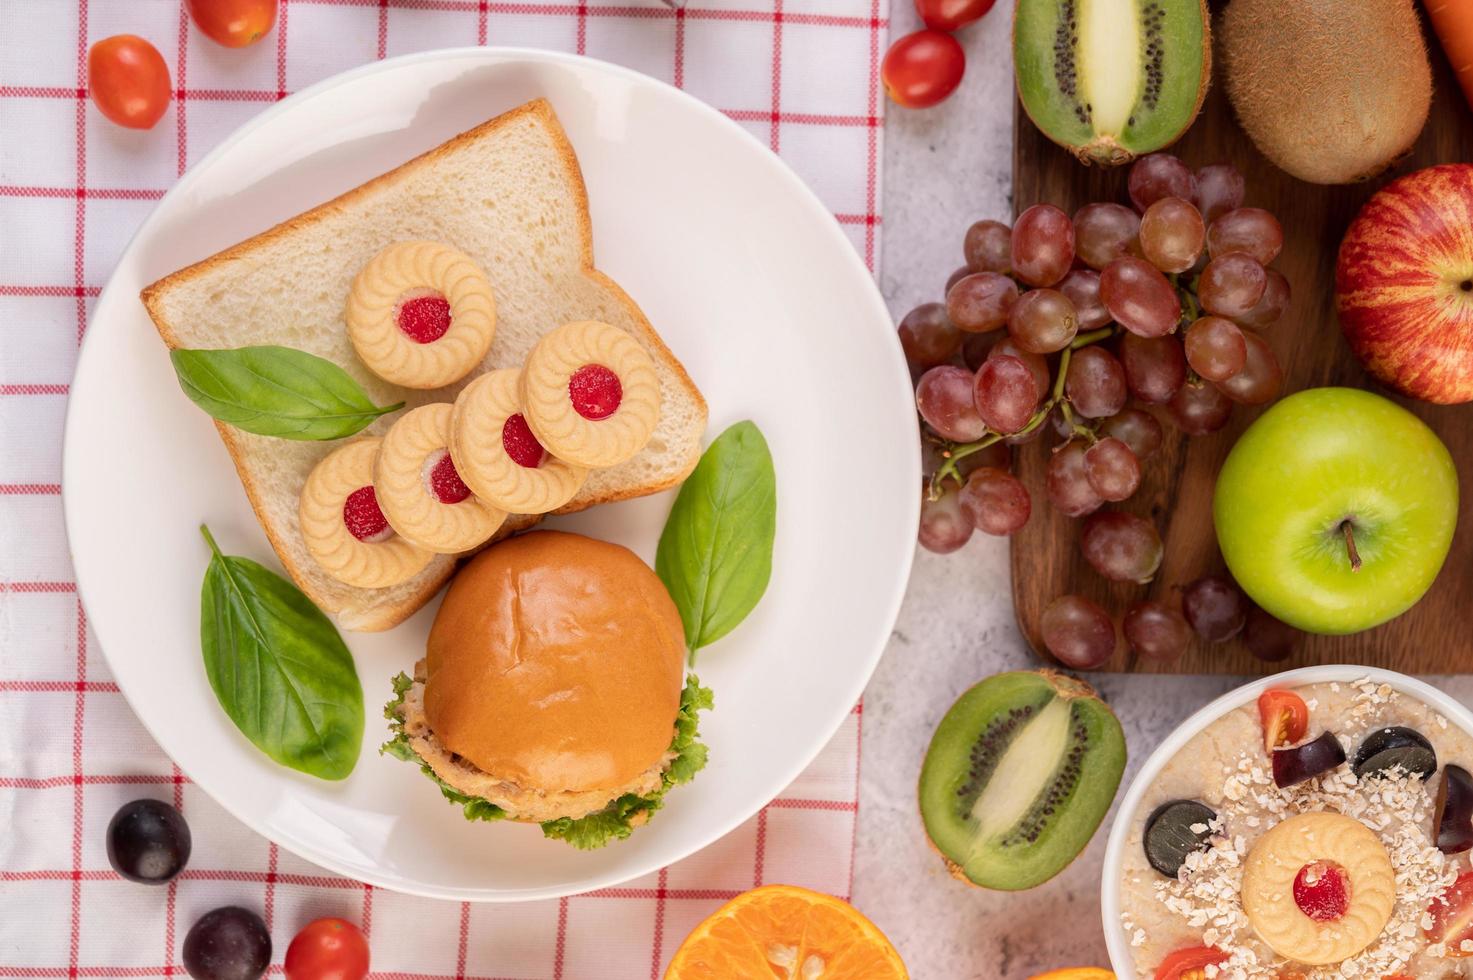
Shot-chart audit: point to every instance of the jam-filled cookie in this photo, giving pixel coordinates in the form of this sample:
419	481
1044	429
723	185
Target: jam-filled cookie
498	456
344	528
421	314
590	394
1318	887
420	488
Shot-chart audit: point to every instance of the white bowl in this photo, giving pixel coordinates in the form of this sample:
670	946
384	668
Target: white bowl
1116	940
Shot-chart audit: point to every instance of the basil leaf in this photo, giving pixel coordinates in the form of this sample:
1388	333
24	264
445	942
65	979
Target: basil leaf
715	554
279	668
276	391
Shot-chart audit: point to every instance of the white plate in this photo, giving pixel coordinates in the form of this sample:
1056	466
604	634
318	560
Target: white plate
751	283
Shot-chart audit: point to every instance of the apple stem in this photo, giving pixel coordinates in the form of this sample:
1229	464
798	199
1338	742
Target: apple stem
1348	530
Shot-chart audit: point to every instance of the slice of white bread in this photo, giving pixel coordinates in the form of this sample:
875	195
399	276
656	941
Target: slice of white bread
508	193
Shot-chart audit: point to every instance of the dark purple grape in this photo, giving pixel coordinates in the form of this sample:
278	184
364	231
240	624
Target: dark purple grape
229	943
1156	631
1159	175
1261	377
1271	307
1112	469
1137	428
1172	234
1104	232
1006	394
988	246
980	302
1215	348
1120	546
976	347
1037	364
1219	190
1095	383
1078	632
944	399
1067	483
148	841
1232	284
1269	639
1082	286
1215	608
1139	297
1042	321
995	501
1043	245
956	277
1297	763
928	337
1199	409
944	528
1250	230
1452	818
1154	367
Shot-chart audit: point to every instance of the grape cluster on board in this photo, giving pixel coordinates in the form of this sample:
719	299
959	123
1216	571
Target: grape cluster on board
1076	327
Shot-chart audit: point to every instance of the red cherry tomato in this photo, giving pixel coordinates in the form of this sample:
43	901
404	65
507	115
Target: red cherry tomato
328	949
128	80
1188	963
233	23
948	15
1452	915
922	68
1285	718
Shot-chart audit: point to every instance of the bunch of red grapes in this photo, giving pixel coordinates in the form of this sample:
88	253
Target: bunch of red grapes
1056	324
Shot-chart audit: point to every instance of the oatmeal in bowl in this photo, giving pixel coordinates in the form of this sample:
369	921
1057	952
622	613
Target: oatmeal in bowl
1315	824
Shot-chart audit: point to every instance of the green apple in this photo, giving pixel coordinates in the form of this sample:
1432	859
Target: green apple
1336	509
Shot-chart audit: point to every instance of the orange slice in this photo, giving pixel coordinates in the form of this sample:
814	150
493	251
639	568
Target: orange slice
780	932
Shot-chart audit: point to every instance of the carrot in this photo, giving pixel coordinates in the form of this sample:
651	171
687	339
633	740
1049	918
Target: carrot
1452	22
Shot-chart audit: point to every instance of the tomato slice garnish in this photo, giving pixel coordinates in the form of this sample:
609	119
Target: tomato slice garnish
1187	964
1452	916
1285	718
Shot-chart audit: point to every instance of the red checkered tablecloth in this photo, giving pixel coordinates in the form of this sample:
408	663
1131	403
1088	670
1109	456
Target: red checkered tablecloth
802	75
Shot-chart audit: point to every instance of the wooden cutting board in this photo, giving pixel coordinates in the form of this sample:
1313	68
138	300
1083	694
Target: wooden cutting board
1177	485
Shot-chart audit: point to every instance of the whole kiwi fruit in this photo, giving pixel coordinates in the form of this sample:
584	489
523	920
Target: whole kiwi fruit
1332	91
1111	80
1019	775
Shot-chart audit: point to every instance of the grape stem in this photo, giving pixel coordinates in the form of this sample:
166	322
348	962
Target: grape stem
1348	529
1191	309
955	453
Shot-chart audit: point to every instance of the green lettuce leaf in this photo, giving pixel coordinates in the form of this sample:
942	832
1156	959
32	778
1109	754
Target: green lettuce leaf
615	821
474	807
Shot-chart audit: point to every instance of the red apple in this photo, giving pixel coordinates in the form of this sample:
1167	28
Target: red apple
1404	284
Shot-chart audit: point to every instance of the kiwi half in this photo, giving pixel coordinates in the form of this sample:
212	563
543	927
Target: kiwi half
1018	777
1112	79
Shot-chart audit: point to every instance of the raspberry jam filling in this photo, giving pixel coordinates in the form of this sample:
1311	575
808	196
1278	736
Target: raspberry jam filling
1322	891
595	392
363	518
424	319
445	482
520	444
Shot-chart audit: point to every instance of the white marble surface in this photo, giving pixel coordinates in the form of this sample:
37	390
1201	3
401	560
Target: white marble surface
944	168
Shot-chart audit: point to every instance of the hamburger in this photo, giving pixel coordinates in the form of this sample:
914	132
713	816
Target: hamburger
553	691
